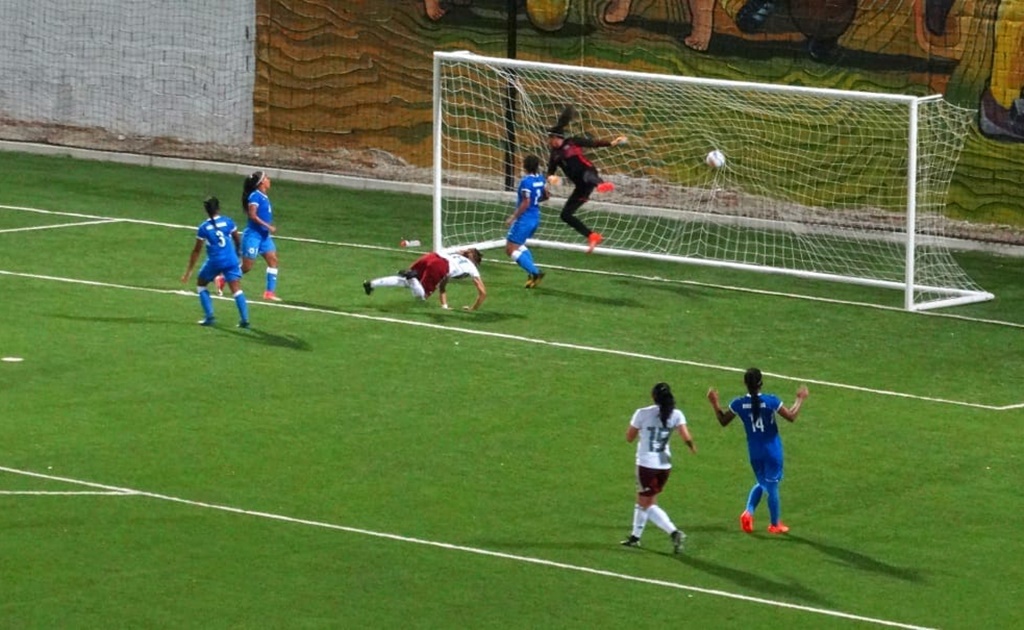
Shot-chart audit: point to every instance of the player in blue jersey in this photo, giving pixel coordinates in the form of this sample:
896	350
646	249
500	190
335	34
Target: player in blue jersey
257	239
654	425
757	412
220	236
524	221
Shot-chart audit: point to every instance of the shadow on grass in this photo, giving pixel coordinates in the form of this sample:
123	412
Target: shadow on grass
255	335
603	300
856	559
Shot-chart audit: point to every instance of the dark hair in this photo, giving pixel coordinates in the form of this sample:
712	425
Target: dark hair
212	205
251	182
558	129
752	379
531	163
473	254
662	395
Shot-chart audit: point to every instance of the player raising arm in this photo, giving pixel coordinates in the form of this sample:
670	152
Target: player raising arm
567	154
757	412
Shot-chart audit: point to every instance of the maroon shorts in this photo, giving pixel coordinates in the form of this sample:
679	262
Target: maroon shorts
431	270
651	481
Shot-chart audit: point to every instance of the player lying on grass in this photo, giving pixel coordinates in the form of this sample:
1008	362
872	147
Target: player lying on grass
433	271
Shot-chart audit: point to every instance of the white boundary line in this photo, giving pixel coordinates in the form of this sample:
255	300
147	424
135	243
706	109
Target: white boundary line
724	287
61	225
532	340
473	550
66	493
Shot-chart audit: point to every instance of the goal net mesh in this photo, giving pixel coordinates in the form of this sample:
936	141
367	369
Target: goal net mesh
815	183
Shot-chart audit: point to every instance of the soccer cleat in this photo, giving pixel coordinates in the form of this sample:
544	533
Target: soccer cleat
534	279
777	529
604	187
632	541
747	521
220	285
593	240
367	287
243	324
678	538
208	321
271	296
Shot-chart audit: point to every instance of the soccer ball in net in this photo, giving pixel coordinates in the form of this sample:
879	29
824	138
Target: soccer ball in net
715	159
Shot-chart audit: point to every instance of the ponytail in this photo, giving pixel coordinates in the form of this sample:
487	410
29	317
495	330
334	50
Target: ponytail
251	182
752	379
662	395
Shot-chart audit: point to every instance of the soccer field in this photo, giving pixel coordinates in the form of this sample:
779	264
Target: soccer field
370	461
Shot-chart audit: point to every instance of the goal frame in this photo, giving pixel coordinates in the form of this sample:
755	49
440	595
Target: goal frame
954	296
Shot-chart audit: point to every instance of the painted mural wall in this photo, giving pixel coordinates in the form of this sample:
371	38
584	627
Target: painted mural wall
356	74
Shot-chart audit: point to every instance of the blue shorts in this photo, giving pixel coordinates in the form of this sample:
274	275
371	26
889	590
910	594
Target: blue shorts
255	244
211	269
767	468
523	228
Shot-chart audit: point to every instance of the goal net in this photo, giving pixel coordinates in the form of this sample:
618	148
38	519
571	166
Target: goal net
824	184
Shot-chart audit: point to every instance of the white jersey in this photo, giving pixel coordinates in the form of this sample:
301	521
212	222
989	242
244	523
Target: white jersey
652	450
459	266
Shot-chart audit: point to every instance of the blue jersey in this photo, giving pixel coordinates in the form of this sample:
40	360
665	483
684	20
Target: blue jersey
532	187
220	247
762	431
263	211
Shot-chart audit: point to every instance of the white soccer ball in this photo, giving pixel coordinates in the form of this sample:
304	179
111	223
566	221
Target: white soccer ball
715	159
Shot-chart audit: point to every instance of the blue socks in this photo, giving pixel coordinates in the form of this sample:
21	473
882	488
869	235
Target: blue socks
772	489
524	258
206	301
271	279
243	306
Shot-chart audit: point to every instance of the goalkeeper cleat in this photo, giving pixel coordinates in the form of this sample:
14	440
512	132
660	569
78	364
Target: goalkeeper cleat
678	538
632	541
208	321
778	529
534	279
368	287
593	241
605	187
270	296
747	521
220	284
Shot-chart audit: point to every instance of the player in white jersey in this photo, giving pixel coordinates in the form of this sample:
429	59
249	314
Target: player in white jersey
433	271
654	425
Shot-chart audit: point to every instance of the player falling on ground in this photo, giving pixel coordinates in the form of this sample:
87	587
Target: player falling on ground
433	271
523	222
567	154
222	241
757	412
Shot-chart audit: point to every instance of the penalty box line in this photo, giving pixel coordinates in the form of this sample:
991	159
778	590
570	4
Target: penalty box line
741	289
473	550
521	339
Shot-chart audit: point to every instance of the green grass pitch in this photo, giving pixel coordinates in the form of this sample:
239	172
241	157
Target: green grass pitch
372	462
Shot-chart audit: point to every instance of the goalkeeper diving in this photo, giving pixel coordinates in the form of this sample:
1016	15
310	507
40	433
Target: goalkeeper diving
567	154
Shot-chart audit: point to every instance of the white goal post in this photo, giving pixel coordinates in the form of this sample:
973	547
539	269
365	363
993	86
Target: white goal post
817	183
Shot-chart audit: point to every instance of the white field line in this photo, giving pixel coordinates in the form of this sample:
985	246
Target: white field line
532	340
62	225
66	492
473	550
724	287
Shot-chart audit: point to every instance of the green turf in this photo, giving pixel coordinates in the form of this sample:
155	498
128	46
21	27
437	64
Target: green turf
495	432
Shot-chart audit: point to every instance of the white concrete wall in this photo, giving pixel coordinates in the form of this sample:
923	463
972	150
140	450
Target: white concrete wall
177	68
